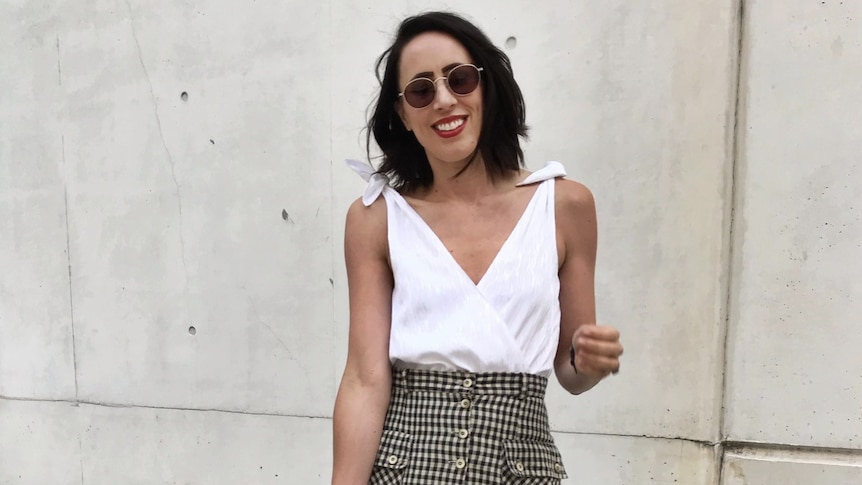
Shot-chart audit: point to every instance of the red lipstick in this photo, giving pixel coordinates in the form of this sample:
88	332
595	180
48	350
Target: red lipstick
450	126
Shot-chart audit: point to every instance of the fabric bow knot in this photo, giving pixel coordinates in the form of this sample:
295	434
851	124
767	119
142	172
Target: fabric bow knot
376	181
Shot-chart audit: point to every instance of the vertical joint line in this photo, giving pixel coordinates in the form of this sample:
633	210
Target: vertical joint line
733	152
333	253
69	268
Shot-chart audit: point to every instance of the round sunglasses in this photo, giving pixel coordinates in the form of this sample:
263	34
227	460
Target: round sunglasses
461	80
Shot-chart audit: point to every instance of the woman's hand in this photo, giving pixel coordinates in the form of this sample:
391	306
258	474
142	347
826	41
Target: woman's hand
597	350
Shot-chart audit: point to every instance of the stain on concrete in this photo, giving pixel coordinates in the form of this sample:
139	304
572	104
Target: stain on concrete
738	473
837	46
59	70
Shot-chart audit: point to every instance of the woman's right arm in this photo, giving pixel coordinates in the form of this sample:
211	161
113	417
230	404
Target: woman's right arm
363	395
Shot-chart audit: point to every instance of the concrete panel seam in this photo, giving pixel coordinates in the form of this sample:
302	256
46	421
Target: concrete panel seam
746	448
164	144
332	250
733	152
79	402
643	436
69	268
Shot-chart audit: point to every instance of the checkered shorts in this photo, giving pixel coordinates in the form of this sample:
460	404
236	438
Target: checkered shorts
466	428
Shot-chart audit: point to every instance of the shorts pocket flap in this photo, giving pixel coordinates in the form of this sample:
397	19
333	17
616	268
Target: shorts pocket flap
534	459
394	450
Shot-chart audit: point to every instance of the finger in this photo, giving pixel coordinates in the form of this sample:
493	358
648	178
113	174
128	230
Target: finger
601	332
604	333
596	364
591	358
597	372
599	347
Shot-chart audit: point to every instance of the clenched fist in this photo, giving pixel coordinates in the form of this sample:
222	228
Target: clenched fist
597	350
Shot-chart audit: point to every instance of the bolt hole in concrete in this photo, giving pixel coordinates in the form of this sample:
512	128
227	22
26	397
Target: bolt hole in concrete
192	330
511	43
184	96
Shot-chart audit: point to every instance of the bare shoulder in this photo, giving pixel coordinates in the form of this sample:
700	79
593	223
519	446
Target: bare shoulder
574	201
365	227
373	214
577	231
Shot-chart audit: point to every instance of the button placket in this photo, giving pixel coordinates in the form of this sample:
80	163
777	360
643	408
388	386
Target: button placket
462	425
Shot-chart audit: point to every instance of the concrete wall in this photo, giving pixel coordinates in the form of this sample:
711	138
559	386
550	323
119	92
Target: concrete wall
173	305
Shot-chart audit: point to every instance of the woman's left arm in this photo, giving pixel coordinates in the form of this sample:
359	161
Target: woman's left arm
597	348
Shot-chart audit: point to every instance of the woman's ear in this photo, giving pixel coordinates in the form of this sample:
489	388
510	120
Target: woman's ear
399	108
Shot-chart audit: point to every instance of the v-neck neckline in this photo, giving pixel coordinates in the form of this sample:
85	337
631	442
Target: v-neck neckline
442	246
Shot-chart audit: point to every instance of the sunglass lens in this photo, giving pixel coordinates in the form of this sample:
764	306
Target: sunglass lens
463	80
419	93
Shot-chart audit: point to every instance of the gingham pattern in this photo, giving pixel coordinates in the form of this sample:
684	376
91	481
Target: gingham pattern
462	427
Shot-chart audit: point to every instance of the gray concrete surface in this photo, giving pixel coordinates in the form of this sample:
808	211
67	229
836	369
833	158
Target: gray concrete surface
790	467
794	368
173	305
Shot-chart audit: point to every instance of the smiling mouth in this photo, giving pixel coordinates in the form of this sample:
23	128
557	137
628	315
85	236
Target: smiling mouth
450	125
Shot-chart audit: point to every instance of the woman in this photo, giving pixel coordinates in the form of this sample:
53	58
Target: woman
470	279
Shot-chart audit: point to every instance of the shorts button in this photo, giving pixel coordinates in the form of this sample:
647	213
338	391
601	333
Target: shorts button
519	466
468	382
392	459
463	433
558	468
460	463
465	403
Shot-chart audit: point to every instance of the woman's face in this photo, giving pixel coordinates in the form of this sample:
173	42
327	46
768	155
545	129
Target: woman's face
449	127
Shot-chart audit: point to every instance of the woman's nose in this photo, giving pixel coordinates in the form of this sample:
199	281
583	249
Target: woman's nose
443	97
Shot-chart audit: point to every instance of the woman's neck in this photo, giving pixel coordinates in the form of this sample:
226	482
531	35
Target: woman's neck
464	181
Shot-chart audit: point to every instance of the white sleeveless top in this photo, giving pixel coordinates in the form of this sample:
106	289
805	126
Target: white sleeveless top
441	320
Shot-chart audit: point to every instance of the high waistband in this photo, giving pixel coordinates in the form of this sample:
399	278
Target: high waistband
477	383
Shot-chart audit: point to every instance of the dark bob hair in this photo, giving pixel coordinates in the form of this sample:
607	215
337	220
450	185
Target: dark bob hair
503	111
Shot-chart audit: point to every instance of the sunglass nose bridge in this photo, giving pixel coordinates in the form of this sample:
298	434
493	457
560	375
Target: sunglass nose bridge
445	92
421	92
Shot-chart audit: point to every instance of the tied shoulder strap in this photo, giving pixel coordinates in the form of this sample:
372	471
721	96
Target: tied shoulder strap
549	171
376	182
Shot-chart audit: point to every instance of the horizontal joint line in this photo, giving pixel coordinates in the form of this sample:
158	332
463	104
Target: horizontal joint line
77	402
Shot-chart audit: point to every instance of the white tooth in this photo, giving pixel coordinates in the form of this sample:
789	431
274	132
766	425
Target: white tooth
451	125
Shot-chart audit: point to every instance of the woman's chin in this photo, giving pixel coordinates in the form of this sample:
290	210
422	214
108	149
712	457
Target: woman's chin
454	157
